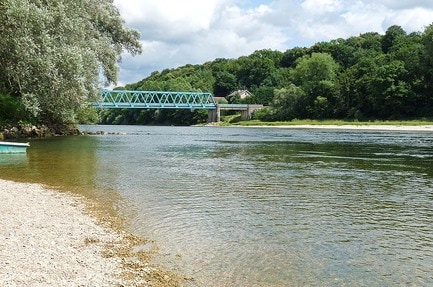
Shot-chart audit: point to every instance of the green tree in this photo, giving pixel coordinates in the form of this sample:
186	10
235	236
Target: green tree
279	78
262	95
287	103
427	67
11	110
378	88
310	70
356	83
342	52
365	45
391	94
291	56
254	69
317	76
225	83
52	53
393	36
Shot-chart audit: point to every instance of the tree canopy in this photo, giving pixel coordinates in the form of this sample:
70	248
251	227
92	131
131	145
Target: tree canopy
53	54
370	76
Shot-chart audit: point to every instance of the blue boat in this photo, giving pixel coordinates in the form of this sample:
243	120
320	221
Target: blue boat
13	147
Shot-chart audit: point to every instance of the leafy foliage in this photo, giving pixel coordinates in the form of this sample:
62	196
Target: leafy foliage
370	76
52	53
11	109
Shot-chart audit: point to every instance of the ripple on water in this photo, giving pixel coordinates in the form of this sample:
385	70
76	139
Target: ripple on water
264	207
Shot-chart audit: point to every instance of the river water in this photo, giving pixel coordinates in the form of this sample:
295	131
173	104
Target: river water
259	206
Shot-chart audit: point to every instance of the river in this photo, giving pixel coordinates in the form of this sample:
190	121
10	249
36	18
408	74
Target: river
259	206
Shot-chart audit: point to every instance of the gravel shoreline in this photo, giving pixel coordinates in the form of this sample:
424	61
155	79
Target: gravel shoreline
47	239
53	238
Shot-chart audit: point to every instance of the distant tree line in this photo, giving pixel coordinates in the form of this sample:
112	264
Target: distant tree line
370	76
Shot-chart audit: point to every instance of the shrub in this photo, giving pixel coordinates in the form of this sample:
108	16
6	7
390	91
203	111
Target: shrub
11	109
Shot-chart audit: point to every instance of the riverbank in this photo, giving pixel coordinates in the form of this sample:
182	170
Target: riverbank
414	125
427	128
24	130
50	238
420	124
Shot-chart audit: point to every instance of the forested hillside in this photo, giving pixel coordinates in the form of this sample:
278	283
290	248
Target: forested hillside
370	76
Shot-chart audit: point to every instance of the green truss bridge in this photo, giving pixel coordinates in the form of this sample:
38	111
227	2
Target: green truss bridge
124	99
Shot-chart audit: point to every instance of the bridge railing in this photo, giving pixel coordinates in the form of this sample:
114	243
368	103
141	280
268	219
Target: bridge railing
155	100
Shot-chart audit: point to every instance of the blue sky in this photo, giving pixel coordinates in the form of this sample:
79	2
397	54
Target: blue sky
175	33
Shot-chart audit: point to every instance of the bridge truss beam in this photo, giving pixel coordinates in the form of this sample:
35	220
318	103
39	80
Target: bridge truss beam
118	99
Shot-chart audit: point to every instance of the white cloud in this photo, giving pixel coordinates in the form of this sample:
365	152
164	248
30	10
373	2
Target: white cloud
363	18
411	19
193	13
176	33
407	4
248	25
320	7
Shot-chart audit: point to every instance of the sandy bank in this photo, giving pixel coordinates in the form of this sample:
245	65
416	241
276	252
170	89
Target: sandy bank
47	239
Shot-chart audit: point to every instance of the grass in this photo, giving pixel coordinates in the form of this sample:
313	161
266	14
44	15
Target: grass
234	120
419	122
231	119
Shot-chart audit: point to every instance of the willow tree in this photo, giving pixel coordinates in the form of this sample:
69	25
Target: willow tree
54	53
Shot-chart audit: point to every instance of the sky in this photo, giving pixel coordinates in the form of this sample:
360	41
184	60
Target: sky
175	33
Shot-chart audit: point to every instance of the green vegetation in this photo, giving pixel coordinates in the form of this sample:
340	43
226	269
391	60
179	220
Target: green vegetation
363	78
336	123
11	110
53	54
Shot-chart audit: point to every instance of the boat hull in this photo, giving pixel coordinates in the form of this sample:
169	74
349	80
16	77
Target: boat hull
10	147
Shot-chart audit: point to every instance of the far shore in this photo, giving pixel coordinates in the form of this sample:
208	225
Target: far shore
427	128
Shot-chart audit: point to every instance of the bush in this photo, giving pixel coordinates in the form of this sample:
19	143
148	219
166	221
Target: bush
264	115
11	109
88	115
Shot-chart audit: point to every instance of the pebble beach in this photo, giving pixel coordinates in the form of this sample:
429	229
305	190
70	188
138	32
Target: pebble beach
47	239
53	238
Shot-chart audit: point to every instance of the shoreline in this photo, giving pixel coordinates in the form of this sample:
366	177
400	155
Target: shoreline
53	238
426	128
46	239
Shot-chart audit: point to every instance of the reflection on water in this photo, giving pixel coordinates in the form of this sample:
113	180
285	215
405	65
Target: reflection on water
13	160
67	163
262	207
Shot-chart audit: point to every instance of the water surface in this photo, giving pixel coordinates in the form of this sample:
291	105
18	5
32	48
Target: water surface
260	206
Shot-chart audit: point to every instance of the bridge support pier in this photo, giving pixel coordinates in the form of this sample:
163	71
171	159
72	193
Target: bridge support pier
214	116
245	115
246	111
